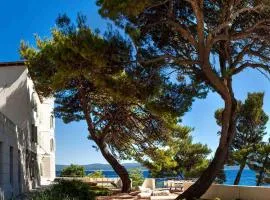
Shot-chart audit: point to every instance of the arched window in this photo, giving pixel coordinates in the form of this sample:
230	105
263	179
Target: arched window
51	145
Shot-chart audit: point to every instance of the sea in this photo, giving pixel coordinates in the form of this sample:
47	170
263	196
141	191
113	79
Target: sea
248	176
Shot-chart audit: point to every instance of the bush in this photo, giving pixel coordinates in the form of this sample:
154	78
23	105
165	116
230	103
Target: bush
73	171
100	191
96	174
136	176
67	190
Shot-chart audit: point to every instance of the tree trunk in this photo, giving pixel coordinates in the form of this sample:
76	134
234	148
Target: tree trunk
260	177
261	174
118	168
239	173
196	190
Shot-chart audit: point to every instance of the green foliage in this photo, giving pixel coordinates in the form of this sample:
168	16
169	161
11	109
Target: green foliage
259	161
221	177
73	171
250	128
185	35
96	174
192	158
127	107
98	191
66	190
178	156
136	176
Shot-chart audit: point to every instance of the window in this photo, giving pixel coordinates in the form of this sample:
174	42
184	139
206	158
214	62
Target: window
52	145
27	160
33	167
34	133
51	121
11	165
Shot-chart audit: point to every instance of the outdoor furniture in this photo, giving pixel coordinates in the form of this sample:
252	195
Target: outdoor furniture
144	195
174	185
144	189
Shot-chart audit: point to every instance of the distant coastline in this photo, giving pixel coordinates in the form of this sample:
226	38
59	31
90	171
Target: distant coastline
107	167
103	167
248	177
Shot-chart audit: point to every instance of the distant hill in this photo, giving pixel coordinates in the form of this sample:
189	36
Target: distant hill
104	167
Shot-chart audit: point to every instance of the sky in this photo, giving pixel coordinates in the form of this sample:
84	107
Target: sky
21	20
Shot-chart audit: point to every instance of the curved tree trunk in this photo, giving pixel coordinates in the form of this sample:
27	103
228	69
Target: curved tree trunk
261	174
260	177
239	173
196	190
118	168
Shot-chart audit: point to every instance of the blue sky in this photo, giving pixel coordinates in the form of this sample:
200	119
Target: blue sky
20	20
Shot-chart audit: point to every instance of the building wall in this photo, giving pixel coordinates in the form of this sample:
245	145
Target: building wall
21	113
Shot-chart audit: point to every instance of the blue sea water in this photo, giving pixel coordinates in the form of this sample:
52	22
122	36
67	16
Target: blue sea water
248	176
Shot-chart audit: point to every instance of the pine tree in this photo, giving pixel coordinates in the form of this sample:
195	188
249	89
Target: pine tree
250	129
185	35
179	156
127	108
259	161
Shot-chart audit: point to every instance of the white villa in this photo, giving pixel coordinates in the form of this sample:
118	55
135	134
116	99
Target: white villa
27	141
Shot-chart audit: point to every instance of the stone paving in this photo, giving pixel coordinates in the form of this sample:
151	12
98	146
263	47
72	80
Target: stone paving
134	196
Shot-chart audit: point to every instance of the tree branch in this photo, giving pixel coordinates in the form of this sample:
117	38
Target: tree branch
251	65
170	59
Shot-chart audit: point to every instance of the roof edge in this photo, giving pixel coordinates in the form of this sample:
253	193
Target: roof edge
10	64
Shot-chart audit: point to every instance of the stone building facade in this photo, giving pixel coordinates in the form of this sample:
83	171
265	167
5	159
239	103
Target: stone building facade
27	141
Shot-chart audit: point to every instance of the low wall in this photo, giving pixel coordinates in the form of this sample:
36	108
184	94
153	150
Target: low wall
100	181
232	192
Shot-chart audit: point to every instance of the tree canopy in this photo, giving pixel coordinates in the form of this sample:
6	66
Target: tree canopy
73	171
259	161
179	157
136	176
127	108
96	174
250	129
188	36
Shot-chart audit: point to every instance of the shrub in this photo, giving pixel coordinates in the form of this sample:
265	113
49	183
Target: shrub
73	171
100	191
67	190
96	174
137	177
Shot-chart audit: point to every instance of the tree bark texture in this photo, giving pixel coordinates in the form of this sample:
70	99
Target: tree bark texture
239	173
196	190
